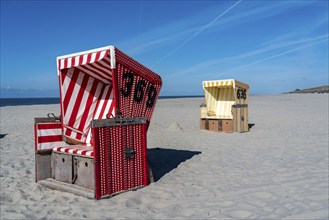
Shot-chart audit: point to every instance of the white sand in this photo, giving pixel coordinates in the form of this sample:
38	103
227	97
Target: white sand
278	170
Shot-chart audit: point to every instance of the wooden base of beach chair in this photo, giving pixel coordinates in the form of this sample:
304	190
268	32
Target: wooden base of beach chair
62	167
42	165
218	125
73	169
204	124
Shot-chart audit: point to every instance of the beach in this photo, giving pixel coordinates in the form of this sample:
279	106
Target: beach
277	170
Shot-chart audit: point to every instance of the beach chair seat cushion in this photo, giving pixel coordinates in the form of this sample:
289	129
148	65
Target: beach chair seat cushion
81	150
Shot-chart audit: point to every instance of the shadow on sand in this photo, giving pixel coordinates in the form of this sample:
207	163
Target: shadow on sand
251	125
163	160
2	135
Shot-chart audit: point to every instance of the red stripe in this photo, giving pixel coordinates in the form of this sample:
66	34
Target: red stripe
98	54
70	89
58	149
102	107
72	61
109	113
49	126
106	100
87	109
46	139
77	105
75	151
107	103
104	74
105	64
63	76
107	61
89	68
88	58
81	60
84	152
111	109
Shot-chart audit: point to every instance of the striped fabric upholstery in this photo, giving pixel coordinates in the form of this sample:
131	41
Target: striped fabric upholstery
219	97
86	92
75	150
47	135
91	85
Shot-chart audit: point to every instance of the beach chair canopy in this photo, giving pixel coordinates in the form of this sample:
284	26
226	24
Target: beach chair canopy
103	83
220	95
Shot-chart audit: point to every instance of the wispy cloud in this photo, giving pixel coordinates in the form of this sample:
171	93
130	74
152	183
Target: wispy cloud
141	13
269	47
272	57
202	28
188	28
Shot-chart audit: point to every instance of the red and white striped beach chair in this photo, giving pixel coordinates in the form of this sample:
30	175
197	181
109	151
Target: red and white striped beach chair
104	95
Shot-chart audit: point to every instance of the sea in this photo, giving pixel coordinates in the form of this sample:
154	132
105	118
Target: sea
45	101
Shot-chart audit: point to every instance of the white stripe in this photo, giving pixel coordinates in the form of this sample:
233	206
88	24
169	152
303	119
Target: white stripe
107	108
104	79
91	112
101	103
222	103
84	61
74	96
108	71
89	68
83	102
62	64
80	152
66	83
69	62
99	108
76	61
93	57
88	153
228	105
71	151
88	137
49	132
102	55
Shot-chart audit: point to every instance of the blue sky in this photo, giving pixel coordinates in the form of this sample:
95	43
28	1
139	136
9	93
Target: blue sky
274	46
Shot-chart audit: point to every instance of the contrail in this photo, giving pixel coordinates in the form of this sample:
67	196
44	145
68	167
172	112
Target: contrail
275	56
196	33
140	13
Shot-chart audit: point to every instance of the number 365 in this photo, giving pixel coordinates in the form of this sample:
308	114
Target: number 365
139	89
